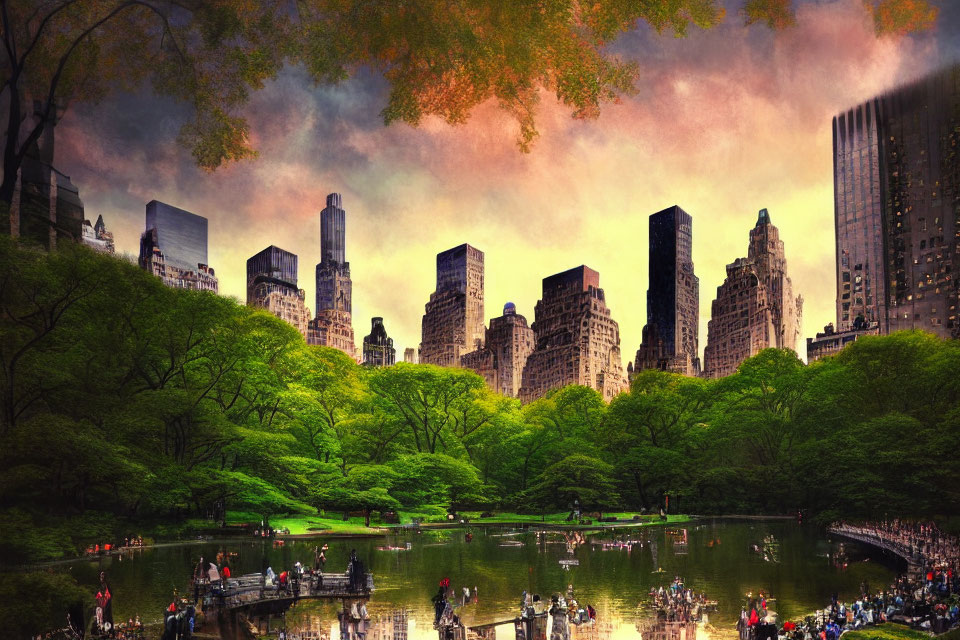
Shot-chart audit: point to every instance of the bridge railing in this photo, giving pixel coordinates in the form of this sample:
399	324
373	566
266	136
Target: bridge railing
907	553
252	588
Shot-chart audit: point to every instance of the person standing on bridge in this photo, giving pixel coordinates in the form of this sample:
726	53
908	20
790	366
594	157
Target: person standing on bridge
356	573
439	603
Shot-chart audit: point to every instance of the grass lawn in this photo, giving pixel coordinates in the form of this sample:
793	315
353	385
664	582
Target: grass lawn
301	524
320	524
559	518
335	524
888	631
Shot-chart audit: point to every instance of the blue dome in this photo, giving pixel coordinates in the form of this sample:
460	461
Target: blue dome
509	309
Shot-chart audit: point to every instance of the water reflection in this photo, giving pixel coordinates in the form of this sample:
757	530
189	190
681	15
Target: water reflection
614	571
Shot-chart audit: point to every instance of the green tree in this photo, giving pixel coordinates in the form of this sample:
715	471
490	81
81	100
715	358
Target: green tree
323	396
430	401
436	478
51	595
576	477
656	431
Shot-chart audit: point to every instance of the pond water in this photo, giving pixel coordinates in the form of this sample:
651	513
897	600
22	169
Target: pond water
614	570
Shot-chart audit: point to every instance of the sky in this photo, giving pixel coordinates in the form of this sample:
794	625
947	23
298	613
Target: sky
726	121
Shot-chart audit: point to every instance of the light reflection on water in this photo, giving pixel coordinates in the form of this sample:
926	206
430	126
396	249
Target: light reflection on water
614	572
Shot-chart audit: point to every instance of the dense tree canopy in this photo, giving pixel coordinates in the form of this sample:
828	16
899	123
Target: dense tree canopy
129	404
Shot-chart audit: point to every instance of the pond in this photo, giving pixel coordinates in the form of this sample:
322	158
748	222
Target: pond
613	570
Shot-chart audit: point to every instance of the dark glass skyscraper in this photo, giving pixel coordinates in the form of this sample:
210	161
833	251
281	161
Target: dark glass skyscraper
332	326
181	235
174	248
334	287
896	205
333	230
673	298
272	263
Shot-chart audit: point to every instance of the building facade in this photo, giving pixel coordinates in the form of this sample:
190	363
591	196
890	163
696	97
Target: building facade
832	342
174	248
897	208
576	340
410	355
46	205
97	237
453	319
755	308
378	348
332	325
670	337
507	345
272	285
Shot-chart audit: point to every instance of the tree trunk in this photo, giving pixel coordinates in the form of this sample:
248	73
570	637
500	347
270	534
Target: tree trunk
640	490
11	161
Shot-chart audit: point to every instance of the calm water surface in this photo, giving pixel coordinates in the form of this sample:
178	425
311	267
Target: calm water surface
614	571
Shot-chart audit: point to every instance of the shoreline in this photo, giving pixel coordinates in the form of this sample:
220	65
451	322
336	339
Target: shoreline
382	531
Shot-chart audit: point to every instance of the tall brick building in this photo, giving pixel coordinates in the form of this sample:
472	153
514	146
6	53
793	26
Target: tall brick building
453	319
272	285
897	208
332	325
673	297
755	307
577	342
507	345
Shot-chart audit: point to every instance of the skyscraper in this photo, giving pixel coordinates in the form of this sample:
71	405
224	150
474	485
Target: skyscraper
673	297
46	205
378	348
507	345
453	319
577	342
332	326
755	308
410	355
272	285
174	248
897	208
182	235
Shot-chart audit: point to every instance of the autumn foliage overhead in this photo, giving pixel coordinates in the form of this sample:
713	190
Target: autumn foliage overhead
441	57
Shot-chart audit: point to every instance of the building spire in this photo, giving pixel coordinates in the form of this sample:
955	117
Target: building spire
763	218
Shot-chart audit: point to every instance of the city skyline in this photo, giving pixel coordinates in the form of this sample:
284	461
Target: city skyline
764	140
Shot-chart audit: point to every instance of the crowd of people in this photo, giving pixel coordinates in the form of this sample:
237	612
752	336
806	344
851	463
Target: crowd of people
925	599
678	603
923	542
104	548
